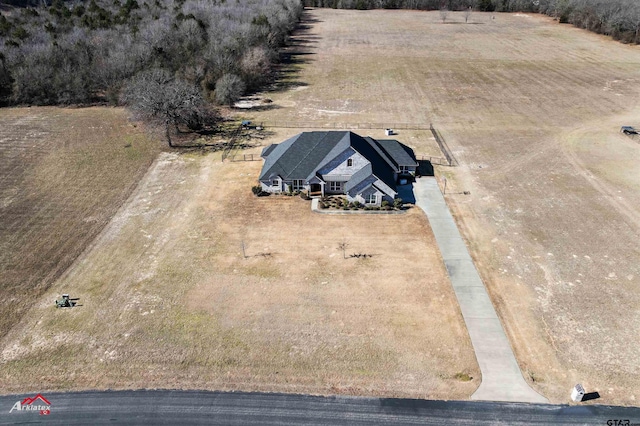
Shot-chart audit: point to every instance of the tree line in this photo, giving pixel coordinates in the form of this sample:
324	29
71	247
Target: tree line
618	18
80	52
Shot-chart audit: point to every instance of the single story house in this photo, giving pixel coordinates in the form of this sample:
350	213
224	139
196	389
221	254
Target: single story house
337	162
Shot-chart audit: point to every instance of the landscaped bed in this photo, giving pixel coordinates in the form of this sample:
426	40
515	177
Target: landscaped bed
340	202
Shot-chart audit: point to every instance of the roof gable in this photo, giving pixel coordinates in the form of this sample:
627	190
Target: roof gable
400	154
301	156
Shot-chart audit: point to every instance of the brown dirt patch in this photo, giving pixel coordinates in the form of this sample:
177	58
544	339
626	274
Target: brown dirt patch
64	174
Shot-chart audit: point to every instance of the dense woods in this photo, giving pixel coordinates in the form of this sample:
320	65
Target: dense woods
57	52
88	51
617	18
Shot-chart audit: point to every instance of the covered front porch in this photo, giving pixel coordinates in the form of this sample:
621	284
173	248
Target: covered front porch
316	187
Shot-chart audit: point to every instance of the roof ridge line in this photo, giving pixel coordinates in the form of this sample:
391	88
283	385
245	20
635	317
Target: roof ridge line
380	151
309	152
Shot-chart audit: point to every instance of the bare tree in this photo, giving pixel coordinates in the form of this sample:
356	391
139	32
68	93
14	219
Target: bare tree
444	13
467	14
256	66
633	19
229	88
343	246
156	96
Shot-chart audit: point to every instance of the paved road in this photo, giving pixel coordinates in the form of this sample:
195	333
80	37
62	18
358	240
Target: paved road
239	408
501	376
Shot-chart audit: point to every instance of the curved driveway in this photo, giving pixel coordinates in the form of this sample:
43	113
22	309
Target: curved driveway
501	376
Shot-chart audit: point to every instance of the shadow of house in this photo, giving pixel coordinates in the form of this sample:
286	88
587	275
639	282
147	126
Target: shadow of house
405	192
425	168
590	396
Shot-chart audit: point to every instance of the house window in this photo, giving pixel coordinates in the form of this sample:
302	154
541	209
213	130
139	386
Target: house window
298	184
275	182
349	162
371	199
404	169
335	186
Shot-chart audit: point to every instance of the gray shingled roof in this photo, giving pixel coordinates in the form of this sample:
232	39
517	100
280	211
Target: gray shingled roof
267	150
358	177
400	154
302	155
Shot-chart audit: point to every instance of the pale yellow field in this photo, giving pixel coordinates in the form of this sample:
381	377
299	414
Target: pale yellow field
169	301
531	109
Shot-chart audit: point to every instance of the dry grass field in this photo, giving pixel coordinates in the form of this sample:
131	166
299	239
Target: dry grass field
531	109
169	300
63	174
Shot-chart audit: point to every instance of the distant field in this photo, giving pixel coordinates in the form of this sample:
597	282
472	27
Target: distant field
531	109
63	174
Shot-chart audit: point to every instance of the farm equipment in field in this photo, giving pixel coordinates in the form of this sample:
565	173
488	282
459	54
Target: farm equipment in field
629	130
66	302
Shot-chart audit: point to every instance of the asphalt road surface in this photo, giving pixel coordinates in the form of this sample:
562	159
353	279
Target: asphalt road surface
165	407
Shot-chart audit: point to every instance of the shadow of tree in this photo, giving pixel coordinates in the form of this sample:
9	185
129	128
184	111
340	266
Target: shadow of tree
299	51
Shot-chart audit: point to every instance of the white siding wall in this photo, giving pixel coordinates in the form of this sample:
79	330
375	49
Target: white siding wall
338	166
266	187
361	197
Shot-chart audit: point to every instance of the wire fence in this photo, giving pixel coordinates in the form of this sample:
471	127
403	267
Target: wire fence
441	161
451	161
232	142
245	157
344	126
448	160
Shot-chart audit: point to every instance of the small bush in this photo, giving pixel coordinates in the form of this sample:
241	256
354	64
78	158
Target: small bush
357	204
305	196
385	203
257	190
463	377
397	203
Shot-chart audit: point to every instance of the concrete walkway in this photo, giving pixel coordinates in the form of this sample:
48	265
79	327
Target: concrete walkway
501	376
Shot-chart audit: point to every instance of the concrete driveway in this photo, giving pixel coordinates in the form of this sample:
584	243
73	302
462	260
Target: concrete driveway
502	379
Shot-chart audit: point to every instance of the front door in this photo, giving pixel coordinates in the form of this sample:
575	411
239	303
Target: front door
316	189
